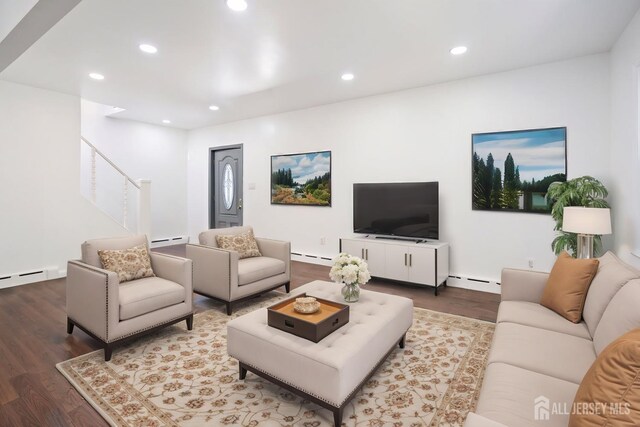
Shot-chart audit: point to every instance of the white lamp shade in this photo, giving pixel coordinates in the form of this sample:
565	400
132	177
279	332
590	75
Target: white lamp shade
576	219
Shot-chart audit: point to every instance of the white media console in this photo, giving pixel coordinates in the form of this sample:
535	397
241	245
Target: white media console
404	260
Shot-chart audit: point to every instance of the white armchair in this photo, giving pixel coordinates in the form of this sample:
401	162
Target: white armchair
221	275
113	313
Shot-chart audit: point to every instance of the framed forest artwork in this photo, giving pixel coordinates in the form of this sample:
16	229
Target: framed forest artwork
511	171
301	179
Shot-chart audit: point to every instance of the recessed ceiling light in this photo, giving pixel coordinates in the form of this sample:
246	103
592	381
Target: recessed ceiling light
348	76
147	48
458	50
166	122
214	107
96	76
237	5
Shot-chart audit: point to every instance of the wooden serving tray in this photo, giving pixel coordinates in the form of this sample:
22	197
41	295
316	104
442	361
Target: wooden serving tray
330	317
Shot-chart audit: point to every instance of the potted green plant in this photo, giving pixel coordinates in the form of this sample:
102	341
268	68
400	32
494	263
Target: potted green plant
584	191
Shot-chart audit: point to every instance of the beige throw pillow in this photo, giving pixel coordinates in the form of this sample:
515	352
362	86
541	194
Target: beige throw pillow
609	394
244	243
567	286
129	264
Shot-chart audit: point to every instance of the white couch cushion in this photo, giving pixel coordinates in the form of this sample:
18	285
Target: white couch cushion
621	316
143	296
253	269
533	314
509	393
332	368
612	275
550	353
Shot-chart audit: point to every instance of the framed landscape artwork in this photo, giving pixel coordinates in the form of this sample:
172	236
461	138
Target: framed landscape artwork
512	170
301	179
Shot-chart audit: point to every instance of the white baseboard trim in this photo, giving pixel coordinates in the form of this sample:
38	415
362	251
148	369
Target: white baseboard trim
26	277
311	259
168	241
474	285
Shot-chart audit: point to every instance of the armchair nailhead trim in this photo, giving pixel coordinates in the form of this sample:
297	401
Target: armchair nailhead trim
82	326
168	255
150	327
106	286
107	340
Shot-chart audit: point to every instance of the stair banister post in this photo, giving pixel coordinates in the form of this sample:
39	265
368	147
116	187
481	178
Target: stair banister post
125	201
93	174
144	208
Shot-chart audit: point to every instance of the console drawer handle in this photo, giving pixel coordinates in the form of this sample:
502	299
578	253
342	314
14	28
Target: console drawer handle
288	323
335	322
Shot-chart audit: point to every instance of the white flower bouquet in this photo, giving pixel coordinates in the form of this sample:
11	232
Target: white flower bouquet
349	270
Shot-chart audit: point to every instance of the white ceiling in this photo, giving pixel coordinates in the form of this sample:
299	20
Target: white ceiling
11	13
282	55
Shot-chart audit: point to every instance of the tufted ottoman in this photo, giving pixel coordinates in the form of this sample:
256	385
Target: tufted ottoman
331	371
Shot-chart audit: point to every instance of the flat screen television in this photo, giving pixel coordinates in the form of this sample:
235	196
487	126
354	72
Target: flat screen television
404	209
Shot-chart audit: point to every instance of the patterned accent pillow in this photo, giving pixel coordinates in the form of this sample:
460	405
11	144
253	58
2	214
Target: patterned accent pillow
130	264
244	243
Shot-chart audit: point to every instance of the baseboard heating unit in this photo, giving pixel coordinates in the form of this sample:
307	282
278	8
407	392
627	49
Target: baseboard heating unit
17	279
169	241
476	284
311	258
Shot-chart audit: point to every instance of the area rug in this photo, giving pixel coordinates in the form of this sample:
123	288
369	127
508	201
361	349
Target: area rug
182	378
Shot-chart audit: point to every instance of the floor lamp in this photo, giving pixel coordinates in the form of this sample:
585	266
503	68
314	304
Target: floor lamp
586	222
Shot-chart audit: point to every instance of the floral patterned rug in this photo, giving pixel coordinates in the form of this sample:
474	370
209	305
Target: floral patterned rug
181	378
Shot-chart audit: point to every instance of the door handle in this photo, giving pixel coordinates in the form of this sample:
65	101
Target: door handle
410	259
405	259
366	254
362	253
240	204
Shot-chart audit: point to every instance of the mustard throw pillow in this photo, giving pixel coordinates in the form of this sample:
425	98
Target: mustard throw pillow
244	243
567	286
609	394
129	264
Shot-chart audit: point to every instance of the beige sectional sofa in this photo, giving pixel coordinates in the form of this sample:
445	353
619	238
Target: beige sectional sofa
538	358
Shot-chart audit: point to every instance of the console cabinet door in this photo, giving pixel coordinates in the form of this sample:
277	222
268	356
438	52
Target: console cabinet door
397	262
353	247
422	265
374	255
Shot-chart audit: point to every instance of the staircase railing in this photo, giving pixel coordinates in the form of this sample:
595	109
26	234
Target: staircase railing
109	188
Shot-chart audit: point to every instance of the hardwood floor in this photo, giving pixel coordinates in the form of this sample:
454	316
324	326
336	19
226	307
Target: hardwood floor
33	339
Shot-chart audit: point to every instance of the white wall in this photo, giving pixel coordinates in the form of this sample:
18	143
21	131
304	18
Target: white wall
625	183
43	219
144	151
422	134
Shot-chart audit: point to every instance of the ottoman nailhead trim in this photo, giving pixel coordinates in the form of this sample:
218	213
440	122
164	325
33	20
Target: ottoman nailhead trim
289	383
349	396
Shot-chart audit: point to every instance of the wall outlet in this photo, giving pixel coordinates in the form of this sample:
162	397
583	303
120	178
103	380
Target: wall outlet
530	262
252	186
323	240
